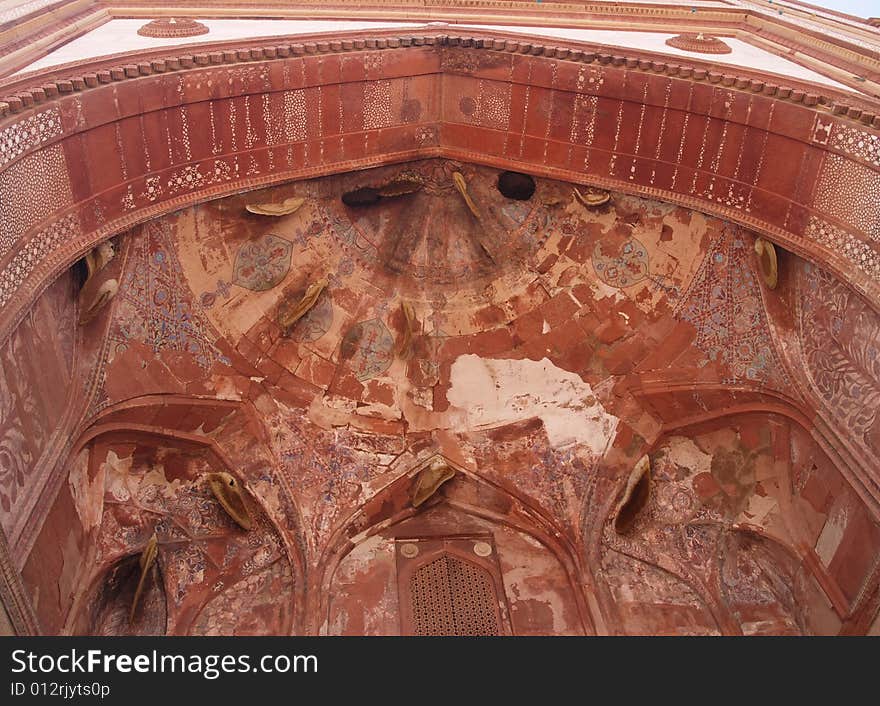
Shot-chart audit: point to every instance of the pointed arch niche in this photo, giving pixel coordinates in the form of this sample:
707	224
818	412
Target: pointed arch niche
472	560
141	470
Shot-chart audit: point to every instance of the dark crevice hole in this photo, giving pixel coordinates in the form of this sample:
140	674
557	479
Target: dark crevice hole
515	185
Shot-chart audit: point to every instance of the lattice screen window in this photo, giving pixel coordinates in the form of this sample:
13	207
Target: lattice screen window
445	594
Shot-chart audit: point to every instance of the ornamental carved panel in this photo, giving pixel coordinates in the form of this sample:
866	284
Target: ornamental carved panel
450	586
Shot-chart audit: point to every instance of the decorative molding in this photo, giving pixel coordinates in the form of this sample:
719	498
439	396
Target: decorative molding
261	71
699	43
26	94
839	40
166	28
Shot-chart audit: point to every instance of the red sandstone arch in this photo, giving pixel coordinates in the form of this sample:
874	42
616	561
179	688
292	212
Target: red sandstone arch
391	505
108	111
186	422
675	414
786	159
100	608
854	614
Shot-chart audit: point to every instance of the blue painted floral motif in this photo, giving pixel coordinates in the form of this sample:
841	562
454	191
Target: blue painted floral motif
155	305
369	348
261	264
724	304
623	266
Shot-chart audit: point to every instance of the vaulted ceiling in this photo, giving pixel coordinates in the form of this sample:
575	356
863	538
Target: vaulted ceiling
309	266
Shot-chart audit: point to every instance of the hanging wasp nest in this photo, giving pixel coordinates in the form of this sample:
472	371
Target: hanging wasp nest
767	262
409	326
462	188
227	491
171	27
699	43
369	195
285	208
290	313
95	292
147	559
429	480
592	198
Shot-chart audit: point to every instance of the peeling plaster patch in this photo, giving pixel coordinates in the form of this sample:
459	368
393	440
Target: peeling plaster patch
123	486
526	583
379	410
531	541
758	510
225	389
156	476
116	471
761	627
88	498
832	534
603	291
369	549
497	392
684	452
71	563
625	594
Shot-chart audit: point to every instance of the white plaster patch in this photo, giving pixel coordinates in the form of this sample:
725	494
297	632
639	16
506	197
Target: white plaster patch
684	452
379	410
760	627
362	558
224	389
524	582
88	498
121	35
72	562
116	472
742	54
832	535
759	510
604	291
497	392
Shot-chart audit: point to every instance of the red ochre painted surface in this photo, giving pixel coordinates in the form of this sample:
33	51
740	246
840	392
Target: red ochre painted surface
539	371
540	348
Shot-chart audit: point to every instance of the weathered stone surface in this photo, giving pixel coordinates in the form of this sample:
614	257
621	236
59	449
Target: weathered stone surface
541	350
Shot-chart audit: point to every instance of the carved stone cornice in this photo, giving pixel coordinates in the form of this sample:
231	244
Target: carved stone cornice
20	53
30	90
41	32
